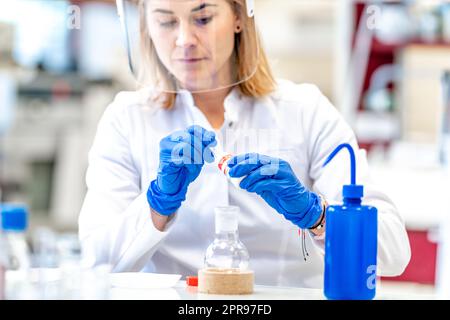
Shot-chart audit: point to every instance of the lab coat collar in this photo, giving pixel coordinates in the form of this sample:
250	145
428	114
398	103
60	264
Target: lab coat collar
185	98
233	104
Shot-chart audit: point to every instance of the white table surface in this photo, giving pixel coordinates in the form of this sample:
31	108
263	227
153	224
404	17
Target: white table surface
183	292
180	291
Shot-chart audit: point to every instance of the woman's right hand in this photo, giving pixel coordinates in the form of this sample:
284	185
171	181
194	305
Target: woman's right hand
181	158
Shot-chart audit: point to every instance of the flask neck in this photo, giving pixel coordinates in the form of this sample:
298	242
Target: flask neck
352	201
227	235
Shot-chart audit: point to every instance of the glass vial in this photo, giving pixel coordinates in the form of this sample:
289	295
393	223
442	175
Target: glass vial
226	252
222	164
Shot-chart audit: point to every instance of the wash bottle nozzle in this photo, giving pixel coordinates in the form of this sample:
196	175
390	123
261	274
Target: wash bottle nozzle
351	191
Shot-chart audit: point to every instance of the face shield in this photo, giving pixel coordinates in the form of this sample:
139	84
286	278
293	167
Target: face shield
194	45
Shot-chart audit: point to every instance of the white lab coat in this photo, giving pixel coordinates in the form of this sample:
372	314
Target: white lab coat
296	123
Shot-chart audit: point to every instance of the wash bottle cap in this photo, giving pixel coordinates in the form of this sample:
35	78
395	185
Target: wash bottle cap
351	191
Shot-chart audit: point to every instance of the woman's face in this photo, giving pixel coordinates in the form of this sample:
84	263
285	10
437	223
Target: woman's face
194	39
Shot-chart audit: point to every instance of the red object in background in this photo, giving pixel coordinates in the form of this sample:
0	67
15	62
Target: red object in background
368	146
61	90
380	54
422	266
192	281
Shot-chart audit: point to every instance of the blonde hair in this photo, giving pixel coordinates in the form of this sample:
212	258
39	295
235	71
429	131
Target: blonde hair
248	51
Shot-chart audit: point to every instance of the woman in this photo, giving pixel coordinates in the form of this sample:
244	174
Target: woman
208	89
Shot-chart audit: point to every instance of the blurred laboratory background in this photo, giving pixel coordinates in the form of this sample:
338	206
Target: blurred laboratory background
384	64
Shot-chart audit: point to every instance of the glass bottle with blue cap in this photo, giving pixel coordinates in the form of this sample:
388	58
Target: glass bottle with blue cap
14	221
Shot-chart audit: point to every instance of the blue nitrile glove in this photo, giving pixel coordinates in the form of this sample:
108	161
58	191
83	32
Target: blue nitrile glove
274	180
181	158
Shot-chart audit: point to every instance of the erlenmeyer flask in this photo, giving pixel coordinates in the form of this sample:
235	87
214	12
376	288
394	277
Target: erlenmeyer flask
226	252
226	259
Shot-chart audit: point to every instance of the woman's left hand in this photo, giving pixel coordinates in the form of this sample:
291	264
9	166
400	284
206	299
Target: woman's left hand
273	180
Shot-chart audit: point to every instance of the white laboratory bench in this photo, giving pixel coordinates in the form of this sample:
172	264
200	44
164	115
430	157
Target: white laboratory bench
183	292
178	290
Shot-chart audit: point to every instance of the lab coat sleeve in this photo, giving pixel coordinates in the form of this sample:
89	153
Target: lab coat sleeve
115	225
327	129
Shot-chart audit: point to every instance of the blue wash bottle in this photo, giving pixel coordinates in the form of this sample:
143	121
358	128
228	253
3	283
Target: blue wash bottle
350	243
